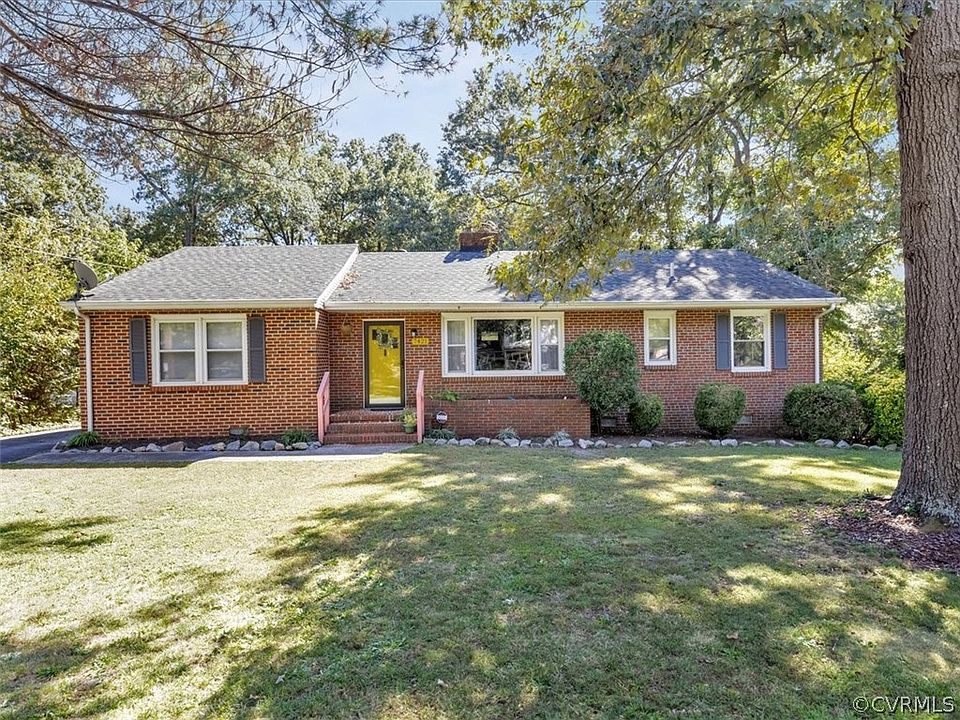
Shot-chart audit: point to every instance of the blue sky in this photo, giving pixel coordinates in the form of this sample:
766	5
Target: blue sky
414	105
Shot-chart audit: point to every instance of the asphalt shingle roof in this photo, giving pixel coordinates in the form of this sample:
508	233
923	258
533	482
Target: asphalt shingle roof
457	277
260	273
269	273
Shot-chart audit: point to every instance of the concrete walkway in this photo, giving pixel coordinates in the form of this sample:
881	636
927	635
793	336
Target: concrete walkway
18	447
326	453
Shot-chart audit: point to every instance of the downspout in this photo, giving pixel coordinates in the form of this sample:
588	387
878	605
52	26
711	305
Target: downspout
87	363
816	341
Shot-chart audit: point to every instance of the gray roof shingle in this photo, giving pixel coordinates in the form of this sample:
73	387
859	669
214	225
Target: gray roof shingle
461	278
256	273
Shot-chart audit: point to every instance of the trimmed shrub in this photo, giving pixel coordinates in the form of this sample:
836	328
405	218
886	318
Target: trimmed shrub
826	410
603	366
718	407
646	413
885	398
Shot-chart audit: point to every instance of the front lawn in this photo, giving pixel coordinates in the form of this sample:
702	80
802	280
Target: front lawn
462	582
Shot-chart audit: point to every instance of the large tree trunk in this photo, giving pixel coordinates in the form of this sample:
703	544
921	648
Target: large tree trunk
928	106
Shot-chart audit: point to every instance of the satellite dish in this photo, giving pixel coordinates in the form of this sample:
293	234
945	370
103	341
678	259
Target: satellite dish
86	277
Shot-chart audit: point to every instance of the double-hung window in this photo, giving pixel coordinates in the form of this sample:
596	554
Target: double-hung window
660	337
503	345
200	350
750	340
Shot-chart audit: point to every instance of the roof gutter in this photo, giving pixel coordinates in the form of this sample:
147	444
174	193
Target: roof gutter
161	305
349	306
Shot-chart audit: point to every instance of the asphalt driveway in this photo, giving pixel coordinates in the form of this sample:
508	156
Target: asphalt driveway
23	446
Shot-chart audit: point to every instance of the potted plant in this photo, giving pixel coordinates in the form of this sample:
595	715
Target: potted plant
408	419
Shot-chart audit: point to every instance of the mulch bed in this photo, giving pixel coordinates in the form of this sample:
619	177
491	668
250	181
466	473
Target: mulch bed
928	545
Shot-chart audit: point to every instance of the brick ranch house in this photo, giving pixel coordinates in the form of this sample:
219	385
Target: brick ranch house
270	338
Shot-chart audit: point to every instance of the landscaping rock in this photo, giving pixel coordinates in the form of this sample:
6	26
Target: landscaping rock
250	445
512	442
280	446
173	447
483	441
300	446
729	442
218	447
714	443
658	443
526	443
874	447
891	447
268	445
314	445
205	448
747	443
677	443
601	443
536	444
153	447
701	443
498	442
645	444
142	448
824	442
468	442
785	443
233	445
565	443
843	445
107	449
769	442
584	444
121	449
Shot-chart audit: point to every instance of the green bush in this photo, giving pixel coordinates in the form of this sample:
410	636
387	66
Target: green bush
885	398
294	436
440	434
603	366
718	407
825	410
508	433
85	439
646	413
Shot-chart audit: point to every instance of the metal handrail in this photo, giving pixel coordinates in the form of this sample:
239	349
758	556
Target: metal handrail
323	406
420	408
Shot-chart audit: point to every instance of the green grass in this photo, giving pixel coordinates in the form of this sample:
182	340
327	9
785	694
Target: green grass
449	583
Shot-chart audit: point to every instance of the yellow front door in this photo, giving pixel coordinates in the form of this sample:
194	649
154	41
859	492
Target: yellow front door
384	363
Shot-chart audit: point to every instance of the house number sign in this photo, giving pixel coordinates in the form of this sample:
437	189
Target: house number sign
420	341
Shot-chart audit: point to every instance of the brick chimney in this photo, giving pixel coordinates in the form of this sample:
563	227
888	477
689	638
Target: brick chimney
478	240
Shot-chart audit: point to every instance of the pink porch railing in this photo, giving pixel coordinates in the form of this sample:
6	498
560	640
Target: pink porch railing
323	406
420	427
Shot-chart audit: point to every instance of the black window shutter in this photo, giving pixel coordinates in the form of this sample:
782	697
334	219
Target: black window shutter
256	350
138	351
723	341
779	340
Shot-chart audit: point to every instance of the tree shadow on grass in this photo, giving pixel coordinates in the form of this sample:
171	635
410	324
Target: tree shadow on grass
542	585
70	535
103	663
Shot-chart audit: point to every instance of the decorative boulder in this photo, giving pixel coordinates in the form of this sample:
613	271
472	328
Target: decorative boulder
565	443
512	442
729	442
300	446
250	445
268	445
645	444
584	444
468	442
785	443
677	443
892	447
498	442
601	443
233	445
483	441
715	443
153	447
174	446
525	443
843	445
824	442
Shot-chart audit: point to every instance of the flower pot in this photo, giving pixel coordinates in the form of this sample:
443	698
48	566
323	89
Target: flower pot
409	429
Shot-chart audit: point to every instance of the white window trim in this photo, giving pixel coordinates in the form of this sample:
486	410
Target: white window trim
764	315
200	348
471	371
648	315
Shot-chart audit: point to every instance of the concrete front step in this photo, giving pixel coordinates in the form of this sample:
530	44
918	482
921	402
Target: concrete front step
364	428
361	415
388	438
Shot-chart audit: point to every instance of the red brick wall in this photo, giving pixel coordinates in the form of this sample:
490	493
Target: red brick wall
294	353
677	385
301	344
531	417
